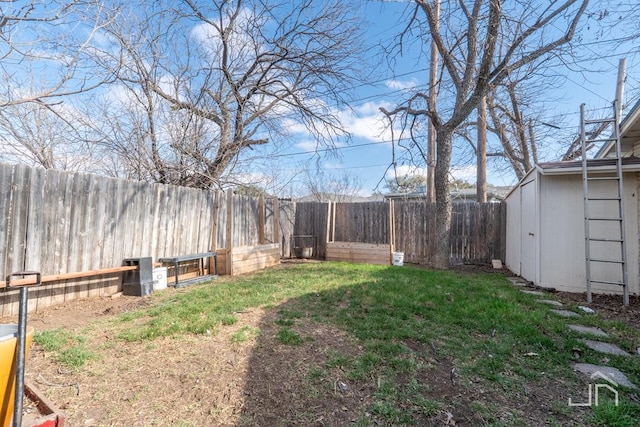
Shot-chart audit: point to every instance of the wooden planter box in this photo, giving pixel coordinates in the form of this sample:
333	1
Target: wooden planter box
359	252
247	259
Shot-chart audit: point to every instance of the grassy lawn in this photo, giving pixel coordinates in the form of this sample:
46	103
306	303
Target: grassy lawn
423	346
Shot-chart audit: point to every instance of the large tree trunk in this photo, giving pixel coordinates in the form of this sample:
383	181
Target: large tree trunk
443	197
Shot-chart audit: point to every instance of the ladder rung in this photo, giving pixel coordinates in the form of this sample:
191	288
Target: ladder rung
606	282
602	178
610	261
595	218
604	239
603	198
595	121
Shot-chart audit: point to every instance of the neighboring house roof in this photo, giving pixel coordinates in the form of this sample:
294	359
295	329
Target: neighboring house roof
494	194
629	134
326	197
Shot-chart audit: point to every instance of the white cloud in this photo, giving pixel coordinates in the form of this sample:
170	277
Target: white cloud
366	121
307	145
401	84
465	173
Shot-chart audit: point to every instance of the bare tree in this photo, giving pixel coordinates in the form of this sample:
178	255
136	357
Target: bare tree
46	53
480	42
407	183
51	39
514	130
248	72
336	187
42	135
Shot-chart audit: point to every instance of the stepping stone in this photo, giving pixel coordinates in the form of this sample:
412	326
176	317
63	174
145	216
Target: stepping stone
565	313
595	372
538	293
605	347
586	309
588	330
550	302
516	281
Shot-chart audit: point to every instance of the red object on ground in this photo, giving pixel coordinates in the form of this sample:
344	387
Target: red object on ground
50	416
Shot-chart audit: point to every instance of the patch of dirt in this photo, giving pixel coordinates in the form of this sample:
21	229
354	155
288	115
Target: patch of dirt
607	306
78	313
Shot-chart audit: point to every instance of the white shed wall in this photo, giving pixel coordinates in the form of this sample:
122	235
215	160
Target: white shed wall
513	254
562	261
551	207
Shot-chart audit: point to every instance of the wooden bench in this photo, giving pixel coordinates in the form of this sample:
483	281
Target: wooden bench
175	263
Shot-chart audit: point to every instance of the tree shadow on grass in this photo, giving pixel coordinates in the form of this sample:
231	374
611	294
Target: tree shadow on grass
307	370
373	354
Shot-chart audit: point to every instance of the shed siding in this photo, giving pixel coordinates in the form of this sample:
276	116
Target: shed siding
559	258
562	263
514	225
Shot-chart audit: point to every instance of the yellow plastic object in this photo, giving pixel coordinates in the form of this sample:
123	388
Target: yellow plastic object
8	347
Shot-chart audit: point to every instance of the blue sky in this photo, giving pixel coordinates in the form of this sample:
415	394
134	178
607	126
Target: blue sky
368	157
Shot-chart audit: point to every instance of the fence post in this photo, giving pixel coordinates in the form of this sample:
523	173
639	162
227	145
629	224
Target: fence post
229	232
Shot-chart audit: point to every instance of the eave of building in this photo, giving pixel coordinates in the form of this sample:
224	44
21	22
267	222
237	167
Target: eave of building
629	164
629	134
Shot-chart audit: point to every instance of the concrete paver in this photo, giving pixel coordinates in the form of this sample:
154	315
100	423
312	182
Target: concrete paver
588	330
538	293
613	374
550	302
516	281
604	347
565	313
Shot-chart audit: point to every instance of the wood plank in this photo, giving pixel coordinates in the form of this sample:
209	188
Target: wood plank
96	251
155	221
84	216
256	249
16	244
229	232
51	191
68	276
6	181
255	261
112	205
145	225
214	201
276	222
261	219
36	229
359	252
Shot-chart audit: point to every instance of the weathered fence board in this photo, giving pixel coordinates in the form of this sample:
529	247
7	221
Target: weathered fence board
60	222
362	222
309	219
477	231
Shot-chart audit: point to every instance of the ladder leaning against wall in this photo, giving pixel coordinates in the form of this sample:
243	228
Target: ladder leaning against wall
604	224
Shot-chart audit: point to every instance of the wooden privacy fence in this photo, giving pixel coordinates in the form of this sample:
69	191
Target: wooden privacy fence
360	232
61	223
477	229
58	223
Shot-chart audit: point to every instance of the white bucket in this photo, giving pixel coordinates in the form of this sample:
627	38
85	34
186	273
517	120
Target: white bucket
159	278
398	258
